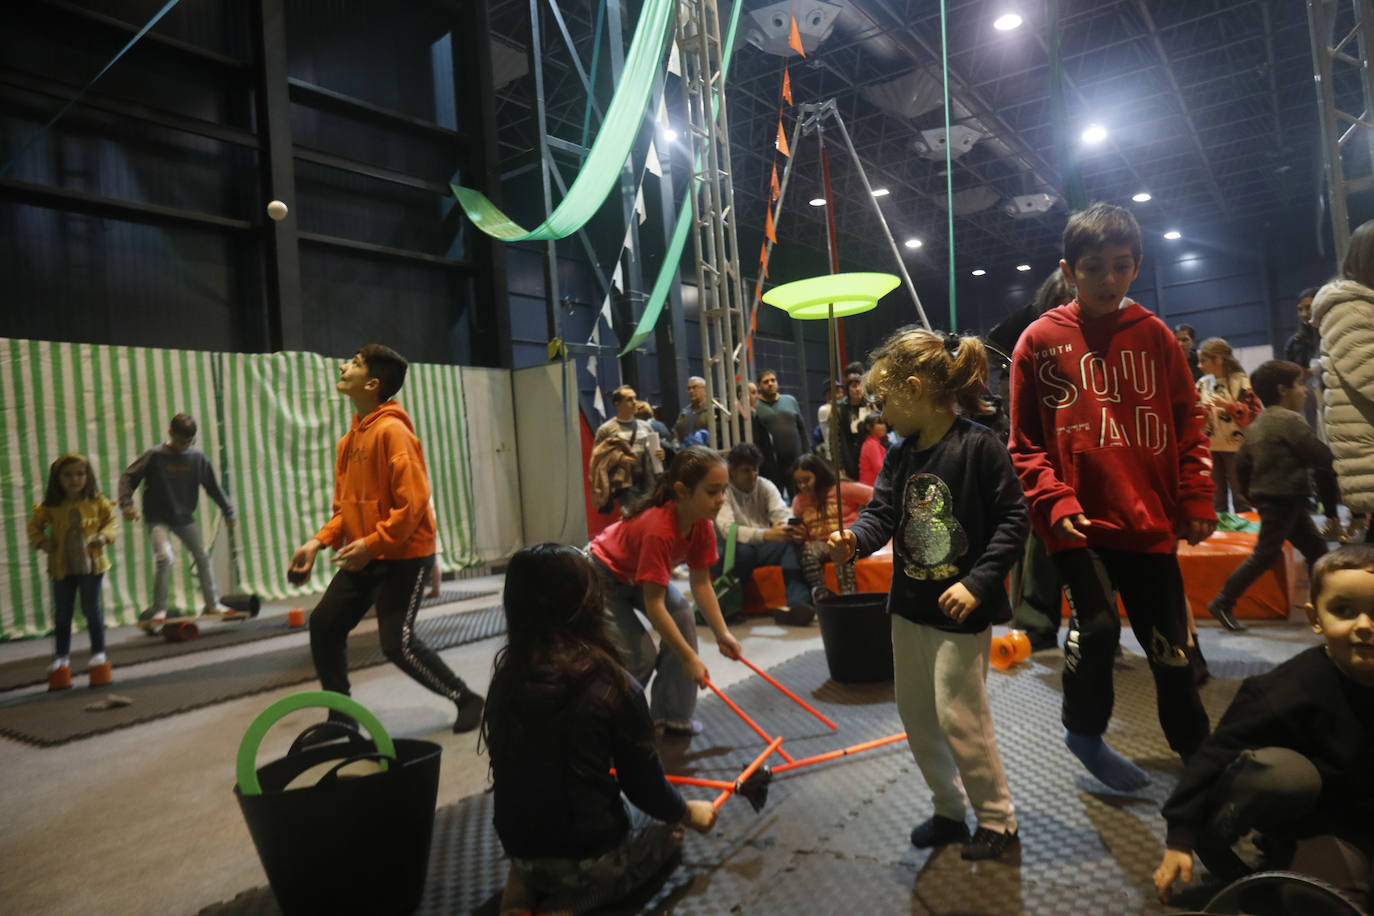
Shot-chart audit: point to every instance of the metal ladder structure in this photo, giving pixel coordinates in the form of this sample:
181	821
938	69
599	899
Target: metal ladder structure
1342	41
720	288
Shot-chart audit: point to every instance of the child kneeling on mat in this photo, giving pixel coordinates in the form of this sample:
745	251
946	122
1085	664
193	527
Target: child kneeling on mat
560	714
950	501
1292	756
72	525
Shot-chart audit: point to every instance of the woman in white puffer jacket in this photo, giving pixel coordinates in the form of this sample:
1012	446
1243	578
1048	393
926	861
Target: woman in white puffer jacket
1344	312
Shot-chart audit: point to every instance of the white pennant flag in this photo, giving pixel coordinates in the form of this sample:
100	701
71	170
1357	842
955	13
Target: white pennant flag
639	205
651	161
674	60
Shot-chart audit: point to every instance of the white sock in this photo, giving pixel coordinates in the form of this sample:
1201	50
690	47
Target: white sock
61	661
97	660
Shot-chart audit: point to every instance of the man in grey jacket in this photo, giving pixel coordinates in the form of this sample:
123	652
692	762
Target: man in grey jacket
172	474
1272	467
765	538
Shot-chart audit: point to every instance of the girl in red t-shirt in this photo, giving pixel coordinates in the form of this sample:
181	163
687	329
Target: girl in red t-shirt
635	558
874	448
815	506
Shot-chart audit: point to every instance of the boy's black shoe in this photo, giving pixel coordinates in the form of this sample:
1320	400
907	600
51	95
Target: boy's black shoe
469	712
1222	612
989	844
937	831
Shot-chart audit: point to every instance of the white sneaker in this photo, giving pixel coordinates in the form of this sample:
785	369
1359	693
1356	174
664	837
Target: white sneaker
217	610
62	661
97	660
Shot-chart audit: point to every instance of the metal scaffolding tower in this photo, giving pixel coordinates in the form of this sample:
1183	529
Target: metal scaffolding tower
720	293
1342	37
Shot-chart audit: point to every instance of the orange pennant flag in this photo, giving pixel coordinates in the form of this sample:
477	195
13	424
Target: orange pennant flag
763	260
794	39
768	226
758	290
773	189
781	142
786	86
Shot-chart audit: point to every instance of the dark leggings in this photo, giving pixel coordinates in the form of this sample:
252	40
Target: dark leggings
395	587
64	593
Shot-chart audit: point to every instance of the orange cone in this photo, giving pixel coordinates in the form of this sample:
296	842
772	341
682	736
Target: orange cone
1002	654
101	675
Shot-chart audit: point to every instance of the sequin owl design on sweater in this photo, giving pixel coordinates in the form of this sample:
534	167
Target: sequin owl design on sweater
932	538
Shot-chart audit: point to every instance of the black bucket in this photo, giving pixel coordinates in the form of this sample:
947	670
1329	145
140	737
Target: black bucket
857	635
249	604
311	839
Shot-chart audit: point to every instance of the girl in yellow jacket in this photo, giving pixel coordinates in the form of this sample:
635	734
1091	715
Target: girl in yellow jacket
72	526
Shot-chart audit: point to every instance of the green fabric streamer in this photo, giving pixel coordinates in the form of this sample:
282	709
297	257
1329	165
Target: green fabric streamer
1070	176
667	274
949	165
609	151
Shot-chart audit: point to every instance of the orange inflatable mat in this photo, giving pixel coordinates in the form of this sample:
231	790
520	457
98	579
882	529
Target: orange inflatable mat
1205	567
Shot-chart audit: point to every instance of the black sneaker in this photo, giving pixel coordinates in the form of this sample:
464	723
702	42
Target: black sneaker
1222	612
989	844
937	831
470	707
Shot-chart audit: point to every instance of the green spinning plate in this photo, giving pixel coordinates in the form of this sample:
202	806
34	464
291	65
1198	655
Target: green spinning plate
852	294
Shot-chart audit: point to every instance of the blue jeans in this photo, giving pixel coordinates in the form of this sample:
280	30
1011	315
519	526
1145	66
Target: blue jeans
673	696
749	557
64	600
161	536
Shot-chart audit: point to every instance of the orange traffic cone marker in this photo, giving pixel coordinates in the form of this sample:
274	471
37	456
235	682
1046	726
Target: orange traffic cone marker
59	678
101	674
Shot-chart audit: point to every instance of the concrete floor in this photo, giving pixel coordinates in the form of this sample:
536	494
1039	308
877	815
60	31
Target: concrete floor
143	820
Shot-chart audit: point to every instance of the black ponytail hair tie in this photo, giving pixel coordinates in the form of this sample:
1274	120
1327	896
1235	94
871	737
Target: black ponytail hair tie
952	343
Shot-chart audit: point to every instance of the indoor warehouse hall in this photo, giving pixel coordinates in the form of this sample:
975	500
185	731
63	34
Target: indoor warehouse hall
686	456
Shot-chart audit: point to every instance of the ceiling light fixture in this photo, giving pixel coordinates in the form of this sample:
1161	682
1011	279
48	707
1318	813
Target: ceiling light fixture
881	192
1023	267
1006	22
912	243
1142	197
1095	133
978	272
1173	234
669	134
818	201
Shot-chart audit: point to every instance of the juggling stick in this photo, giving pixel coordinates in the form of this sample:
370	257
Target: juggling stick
842	752
694	781
748	771
748	721
798	700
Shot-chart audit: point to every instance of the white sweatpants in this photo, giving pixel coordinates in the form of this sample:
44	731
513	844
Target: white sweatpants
943	701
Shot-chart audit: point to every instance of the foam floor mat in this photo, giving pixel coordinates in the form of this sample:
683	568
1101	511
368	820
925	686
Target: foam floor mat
833	838
55	718
151	647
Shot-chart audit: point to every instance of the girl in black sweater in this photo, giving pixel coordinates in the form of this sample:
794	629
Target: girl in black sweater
560	715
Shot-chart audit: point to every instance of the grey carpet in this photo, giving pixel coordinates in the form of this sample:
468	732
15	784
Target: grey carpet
152	647
833	838
48	719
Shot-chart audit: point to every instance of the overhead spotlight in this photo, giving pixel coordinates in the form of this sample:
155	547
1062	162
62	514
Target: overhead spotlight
1142	197
669	134
979	272
1006	22
817	201
1023	267
912	243
1095	133
881	192
1173	234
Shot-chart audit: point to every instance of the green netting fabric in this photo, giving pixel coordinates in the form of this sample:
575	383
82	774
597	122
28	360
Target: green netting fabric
609	150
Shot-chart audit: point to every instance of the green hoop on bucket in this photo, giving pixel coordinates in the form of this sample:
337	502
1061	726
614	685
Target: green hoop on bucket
851	293
246	764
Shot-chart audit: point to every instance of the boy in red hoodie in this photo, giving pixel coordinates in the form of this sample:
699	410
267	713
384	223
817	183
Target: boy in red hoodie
383	535
1107	440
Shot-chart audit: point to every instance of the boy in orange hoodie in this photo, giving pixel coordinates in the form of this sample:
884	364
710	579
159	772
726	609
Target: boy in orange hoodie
383	535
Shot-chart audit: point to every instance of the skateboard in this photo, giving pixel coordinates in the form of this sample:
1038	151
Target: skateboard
184	628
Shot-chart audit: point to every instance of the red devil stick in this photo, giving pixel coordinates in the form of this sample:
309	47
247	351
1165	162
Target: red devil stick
694	781
748	721
749	771
798	700
842	752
